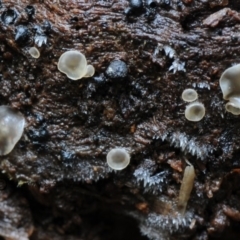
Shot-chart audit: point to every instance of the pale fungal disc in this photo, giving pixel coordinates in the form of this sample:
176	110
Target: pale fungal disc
230	86
73	64
195	111
34	52
233	106
118	158
90	71
11	128
189	95
230	82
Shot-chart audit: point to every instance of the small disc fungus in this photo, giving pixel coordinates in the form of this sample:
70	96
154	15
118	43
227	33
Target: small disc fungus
195	111
74	65
189	95
233	106
11	128
90	71
230	86
118	158
34	52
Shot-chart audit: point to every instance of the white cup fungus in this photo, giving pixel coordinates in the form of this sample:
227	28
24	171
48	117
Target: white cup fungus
34	52
233	106
195	111
118	158
90	71
230	86
189	95
74	64
11	128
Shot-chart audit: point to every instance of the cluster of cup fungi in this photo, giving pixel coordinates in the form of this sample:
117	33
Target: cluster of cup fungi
74	64
195	111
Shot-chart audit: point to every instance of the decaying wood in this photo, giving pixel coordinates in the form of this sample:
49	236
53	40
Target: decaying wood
60	162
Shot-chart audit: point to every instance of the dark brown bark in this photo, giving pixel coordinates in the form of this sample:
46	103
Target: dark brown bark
60	162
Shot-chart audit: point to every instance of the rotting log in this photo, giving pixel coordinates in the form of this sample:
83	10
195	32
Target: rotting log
60	162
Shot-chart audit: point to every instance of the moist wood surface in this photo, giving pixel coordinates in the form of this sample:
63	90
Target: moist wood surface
60	162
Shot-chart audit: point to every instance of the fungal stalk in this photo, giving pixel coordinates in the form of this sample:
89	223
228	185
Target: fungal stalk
90	71
186	188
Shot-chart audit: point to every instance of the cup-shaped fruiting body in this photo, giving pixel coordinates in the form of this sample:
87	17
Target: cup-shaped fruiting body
186	188
189	95
118	158
230	86
233	106
11	128
230	82
195	111
90	71
34	52
74	65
